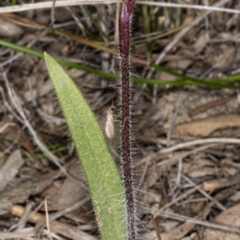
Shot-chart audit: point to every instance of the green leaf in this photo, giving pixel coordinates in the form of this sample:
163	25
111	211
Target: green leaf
99	167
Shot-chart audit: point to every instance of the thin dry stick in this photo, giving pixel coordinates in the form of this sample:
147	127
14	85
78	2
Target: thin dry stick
66	230
66	210
20	111
68	3
125	95
189	6
143	175
24	218
213	104
181	34
156	228
200	142
204	193
161	153
47	219
186	194
53	15
116	33
199	222
24	233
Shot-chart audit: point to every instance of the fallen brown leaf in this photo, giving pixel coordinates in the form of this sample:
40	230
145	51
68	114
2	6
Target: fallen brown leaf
10	168
229	217
204	127
200	168
65	229
22	191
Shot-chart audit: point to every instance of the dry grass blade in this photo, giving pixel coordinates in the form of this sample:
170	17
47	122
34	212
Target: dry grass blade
68	3
189	6
57	226
20	111
181	34
46	5
25	233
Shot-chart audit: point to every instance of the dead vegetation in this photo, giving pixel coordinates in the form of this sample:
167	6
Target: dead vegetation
186	138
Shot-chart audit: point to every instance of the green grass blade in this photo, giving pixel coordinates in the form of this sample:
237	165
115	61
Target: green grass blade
235	78
100	169
185	83
96	24
231	82
38	54
173	73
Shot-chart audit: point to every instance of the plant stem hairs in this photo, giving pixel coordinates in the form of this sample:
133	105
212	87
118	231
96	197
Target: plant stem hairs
125	125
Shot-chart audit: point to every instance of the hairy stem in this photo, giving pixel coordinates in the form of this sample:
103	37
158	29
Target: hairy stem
124	42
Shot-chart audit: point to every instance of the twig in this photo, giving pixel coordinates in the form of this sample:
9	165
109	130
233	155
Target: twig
40	144
156	227
47	219
175	158
23	233
183	33
187	193
210	105
41	224
143	175
68	3
53	14
190	6
199	222
66	210
200	142
24	218
204	193
67	230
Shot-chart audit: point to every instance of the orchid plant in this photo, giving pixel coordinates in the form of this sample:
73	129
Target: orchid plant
113	202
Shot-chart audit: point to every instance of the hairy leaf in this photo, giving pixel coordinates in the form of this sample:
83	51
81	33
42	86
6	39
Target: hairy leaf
100	169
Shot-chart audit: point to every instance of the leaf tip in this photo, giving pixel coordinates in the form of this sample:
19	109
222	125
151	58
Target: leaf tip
45	55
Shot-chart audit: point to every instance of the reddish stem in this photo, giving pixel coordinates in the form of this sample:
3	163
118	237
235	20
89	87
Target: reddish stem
124	42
